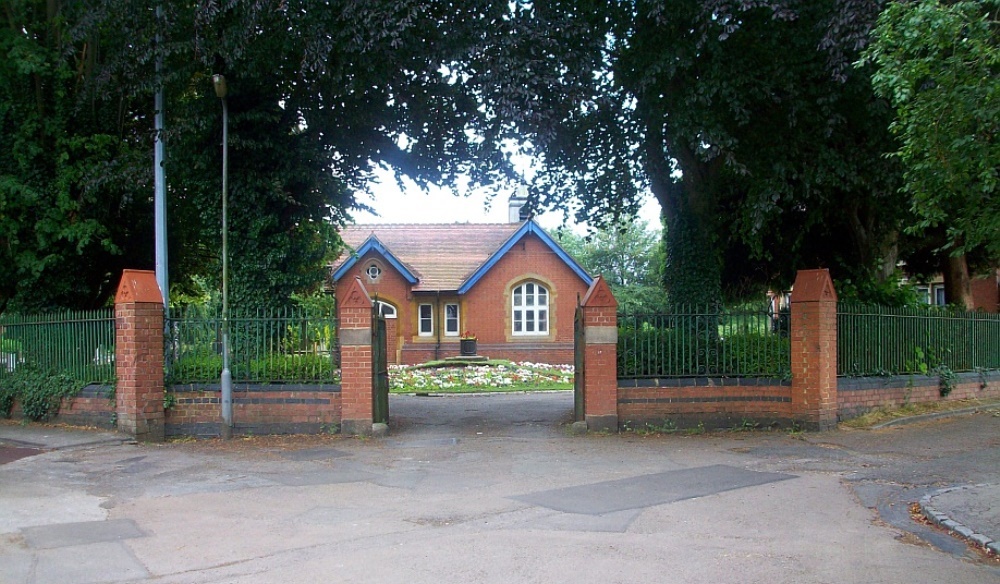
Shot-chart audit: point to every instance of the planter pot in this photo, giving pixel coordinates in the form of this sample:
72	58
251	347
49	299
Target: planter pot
467	347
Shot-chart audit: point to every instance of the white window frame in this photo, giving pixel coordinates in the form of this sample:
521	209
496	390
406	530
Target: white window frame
530	310
937	295
449	320
386	310
428	320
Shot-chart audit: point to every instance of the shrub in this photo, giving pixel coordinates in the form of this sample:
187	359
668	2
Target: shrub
277	367
40	392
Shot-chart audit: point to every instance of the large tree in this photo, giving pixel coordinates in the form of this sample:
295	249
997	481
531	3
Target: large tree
939	65
744	118
740	116
69	215
319	93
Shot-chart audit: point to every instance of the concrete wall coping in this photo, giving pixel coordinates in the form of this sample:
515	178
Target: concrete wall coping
704	382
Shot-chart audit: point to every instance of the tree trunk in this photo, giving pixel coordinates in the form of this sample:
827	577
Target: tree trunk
957	286
693	270
692	274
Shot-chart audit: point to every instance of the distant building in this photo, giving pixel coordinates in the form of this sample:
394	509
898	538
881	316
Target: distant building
508	284
985	291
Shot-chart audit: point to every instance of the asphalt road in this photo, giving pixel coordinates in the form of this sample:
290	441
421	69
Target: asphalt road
493	489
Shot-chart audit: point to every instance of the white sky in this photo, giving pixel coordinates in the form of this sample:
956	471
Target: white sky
438	205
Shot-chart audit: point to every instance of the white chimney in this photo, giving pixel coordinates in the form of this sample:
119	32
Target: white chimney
517	202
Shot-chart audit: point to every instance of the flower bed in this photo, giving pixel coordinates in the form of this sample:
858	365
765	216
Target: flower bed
478	378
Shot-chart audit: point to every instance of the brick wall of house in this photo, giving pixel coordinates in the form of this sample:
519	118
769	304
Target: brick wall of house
858	395
985	293
487	306
547	352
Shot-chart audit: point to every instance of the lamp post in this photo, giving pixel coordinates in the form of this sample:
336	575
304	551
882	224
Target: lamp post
226	382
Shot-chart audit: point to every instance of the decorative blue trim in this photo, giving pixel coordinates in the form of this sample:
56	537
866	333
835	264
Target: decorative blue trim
370	244
529	226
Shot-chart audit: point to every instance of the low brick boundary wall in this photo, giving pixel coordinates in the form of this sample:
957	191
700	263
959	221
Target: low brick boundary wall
859	395
258	408
92	406
713	402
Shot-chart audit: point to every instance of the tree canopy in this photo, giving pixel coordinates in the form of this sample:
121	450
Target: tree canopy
743	118
763	145
938	63
319	94
630	257
69	221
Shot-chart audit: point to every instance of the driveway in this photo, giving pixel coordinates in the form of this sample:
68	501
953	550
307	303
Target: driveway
491	489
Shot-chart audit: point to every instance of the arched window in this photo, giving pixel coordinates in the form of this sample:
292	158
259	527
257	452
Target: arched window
530	309
387	310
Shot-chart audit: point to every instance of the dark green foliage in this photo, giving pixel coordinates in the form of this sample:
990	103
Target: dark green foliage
888	292
281	368
77	343
39	392
7	396
742	118
319	95
71	210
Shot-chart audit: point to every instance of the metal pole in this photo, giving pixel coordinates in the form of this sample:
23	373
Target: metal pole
227	378
159	180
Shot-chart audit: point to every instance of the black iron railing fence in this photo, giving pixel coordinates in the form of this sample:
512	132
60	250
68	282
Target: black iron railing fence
288	345
879	340
695	341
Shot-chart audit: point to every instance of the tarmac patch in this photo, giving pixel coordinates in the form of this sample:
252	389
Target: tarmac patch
12	453
650	490
87	532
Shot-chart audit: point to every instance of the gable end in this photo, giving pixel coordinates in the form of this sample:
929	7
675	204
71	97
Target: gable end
373	244
528	227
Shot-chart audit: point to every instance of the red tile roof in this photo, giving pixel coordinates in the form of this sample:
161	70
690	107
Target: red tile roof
441	255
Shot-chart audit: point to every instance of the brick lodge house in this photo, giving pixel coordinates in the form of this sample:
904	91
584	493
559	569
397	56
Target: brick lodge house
508	284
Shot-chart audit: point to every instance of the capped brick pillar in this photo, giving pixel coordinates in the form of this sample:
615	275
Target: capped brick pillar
600	367
814	350
354	320
139	356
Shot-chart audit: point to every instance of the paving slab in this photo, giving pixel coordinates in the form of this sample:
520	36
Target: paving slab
332	477
81	533
12	453
55	437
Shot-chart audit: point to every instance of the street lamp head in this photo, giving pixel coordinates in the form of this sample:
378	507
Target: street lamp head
219	81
